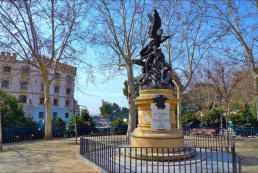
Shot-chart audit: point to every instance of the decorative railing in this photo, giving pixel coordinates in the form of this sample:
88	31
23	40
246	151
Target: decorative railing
32	133
114	154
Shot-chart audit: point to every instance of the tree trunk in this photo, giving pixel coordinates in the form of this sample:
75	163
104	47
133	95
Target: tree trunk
75	122
48	106
179	108
75	128
131	97
1	138
256	93
227	118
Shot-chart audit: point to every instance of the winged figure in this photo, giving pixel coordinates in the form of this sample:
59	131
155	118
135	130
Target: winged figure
155	24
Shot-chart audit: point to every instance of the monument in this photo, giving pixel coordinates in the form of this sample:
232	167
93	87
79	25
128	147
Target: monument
156	102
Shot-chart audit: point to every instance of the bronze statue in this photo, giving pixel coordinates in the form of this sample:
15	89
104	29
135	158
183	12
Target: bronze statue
155	70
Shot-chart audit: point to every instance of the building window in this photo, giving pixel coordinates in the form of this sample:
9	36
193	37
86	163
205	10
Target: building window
42	87
54	114
68	91
66	115
41	100
24	85
26	70
67	102
5	84
7	69
57	89
57	76
41	115
68	79
22	99
55	102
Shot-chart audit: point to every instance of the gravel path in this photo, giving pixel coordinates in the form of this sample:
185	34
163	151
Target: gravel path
52	156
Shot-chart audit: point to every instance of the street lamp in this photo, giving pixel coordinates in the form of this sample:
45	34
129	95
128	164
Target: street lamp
219	97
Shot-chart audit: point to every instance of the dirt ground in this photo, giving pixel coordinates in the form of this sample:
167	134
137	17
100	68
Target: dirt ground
52	156
247	148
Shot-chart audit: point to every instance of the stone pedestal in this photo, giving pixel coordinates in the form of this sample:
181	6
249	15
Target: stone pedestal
144	136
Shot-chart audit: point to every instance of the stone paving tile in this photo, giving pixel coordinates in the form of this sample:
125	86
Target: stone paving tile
51	156
247	148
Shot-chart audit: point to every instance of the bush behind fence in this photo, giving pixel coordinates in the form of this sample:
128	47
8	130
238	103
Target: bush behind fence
234	131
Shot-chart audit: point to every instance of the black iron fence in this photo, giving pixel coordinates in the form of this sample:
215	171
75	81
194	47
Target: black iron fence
32	133
29	133
22	134
243	131
201	153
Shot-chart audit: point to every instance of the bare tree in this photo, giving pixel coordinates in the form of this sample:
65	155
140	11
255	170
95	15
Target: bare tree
43	34
192	38
243	92
224	78
1	137
121	32
237	20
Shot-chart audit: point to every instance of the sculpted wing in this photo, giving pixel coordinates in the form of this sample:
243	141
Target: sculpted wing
155	25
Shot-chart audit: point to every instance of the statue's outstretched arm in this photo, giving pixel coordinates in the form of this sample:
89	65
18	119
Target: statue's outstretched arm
165	38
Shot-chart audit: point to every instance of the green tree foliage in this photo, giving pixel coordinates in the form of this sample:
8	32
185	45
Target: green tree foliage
124	112
119	126
106	110
125	89
58	126
212	120
112	111
12	113
85	115
58	122
189	119
84	123
244	118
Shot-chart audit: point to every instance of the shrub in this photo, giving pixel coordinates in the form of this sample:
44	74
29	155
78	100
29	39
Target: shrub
58	126
212	120
190	120
84	123
118	126
244	118
12	113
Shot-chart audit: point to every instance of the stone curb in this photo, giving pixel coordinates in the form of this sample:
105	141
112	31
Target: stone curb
92	164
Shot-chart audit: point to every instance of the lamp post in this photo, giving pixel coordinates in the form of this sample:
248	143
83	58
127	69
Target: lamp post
201	118
219	97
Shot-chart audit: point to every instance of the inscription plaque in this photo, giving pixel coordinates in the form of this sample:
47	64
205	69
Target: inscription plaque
160	118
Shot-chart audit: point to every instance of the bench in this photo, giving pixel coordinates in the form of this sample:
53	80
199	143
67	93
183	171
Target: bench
200	131
210	131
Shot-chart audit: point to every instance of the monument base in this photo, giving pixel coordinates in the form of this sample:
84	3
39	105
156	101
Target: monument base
170	155
144	135
162	140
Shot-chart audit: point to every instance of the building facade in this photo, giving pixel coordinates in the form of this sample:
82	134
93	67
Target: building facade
25	83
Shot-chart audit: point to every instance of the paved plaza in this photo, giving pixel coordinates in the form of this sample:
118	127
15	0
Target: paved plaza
59	155
52	156
247	149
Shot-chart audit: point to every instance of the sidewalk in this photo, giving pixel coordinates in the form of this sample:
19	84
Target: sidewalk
247	148
52	156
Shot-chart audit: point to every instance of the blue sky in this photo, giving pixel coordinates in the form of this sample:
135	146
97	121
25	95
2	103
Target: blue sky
91	94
